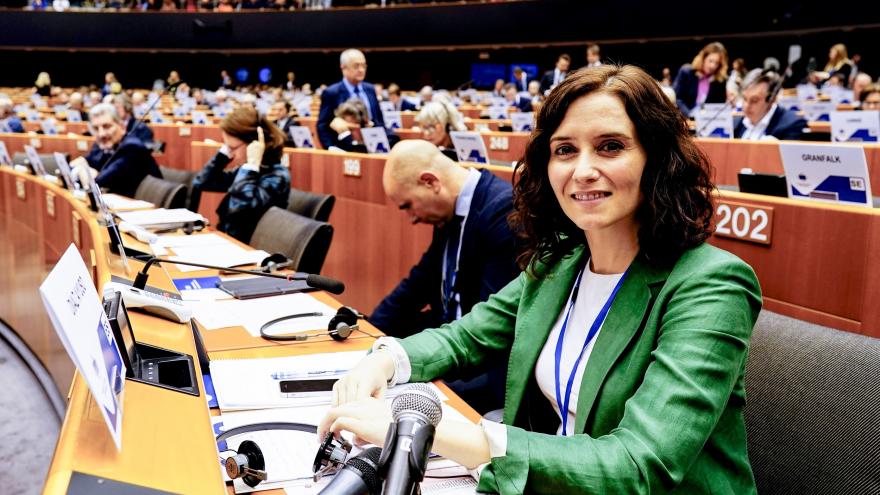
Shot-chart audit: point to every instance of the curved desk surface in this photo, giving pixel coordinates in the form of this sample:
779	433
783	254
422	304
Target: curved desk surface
167	438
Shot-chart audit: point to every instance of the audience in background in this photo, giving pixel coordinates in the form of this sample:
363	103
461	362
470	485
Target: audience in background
354	70
426	93
75	105
870	98
594	55
280	115
498	89
553	77
837	70
437	119
117	161
859	83
400	103
514	99
349	115
43	84
260	183
703	80
734	86
8	120
762	118
520	79
140	130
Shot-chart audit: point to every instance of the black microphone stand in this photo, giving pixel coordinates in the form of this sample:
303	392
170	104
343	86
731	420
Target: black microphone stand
328	284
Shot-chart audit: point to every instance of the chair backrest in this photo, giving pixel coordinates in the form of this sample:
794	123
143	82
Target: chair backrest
162	193
184	177
812	408
303	240
48	159
308	204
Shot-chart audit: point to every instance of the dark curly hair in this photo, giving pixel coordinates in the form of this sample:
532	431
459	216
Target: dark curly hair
676	212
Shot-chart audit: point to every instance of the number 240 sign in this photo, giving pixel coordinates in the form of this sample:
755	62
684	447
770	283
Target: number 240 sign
744	222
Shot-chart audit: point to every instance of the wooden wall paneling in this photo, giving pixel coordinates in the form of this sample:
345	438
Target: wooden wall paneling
870	302
816	261
505	146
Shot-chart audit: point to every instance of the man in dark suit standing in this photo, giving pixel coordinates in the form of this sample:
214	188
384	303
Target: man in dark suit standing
354	70
472	254
762	118
553	77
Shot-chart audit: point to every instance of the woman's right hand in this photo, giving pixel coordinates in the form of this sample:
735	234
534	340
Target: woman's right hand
339	125
369	378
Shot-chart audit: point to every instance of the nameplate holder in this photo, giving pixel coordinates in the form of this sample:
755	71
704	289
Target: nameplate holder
50	204
351	167
20	188
499	143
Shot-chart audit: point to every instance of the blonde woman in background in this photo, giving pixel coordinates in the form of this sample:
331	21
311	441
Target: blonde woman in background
437	119
43	84
837	70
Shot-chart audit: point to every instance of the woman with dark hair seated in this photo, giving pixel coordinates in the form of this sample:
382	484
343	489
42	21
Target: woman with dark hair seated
626	334
260	183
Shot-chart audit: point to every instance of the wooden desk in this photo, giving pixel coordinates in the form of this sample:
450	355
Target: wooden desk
75	146
35	230
168	442
729	156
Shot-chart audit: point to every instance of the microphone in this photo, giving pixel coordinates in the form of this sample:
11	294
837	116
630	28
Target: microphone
360	476
319	282
417	412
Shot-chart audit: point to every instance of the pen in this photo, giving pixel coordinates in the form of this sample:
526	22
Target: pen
285	375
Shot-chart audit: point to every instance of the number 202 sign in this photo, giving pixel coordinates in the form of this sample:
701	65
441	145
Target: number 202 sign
743	222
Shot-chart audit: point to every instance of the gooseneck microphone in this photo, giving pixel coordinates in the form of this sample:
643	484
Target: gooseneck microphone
360	476
319	282
417	412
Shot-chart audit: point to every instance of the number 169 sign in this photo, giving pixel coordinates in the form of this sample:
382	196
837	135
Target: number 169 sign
744	222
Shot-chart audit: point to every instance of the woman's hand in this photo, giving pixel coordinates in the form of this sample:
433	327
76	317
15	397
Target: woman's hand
256	148
368	419
369	378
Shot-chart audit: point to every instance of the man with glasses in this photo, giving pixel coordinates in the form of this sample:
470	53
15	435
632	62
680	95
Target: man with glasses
354	71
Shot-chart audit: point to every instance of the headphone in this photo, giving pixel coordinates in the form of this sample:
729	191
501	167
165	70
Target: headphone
275	262
249	464
340	327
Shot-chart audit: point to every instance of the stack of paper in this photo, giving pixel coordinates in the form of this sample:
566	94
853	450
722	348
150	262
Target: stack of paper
117	202
160	217
252	314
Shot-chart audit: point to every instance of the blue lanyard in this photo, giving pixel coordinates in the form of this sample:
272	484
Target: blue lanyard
561	402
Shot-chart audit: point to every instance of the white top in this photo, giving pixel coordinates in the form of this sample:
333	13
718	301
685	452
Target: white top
595	289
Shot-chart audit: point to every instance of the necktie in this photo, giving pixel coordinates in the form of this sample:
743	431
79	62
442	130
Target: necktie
450	305
360	94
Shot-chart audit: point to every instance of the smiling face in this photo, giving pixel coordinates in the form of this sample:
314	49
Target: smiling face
596	165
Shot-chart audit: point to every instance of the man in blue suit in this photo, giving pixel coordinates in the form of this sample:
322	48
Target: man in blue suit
354	70
762	118
472	253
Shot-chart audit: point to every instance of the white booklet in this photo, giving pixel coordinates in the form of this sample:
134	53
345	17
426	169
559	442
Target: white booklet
78	316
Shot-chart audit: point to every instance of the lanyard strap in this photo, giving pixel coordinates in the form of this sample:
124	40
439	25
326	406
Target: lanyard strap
563	402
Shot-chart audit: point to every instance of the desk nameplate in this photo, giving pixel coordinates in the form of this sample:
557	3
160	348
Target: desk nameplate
744	222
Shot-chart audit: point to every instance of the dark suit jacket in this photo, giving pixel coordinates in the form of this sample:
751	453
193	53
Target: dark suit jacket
487	263
547	80
524	104
285	128
784	124
335	95
142	131
660	404
685	86
406	105
133	161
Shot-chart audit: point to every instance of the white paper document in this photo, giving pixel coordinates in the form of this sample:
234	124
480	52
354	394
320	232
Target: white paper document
226	255
117	202
160	216
254	313
174	241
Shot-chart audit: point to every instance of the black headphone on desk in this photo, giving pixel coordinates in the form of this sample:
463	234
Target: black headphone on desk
248	463
340	327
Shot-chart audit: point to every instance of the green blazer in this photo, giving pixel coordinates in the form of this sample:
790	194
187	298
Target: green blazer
661	402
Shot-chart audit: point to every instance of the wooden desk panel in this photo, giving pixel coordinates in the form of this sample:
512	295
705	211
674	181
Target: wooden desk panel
47	144
817	266
729	156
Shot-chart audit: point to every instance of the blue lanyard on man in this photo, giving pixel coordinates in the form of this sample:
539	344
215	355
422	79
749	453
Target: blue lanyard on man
563	402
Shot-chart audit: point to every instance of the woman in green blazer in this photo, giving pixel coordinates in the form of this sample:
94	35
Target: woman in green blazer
626	335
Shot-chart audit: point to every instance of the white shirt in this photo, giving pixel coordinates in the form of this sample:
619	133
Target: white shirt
594	291
755	132
462	208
